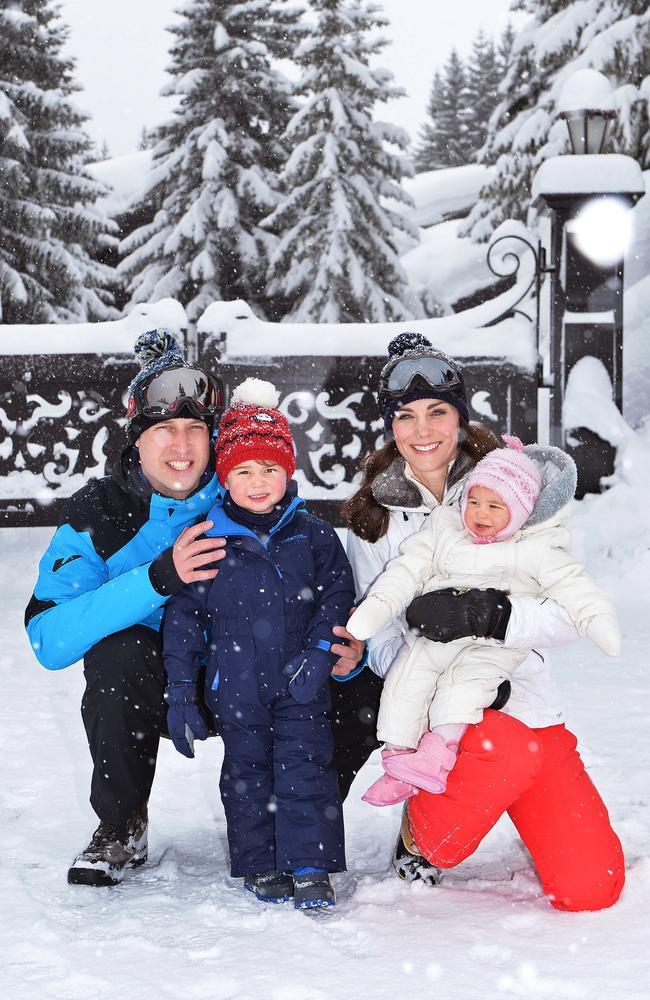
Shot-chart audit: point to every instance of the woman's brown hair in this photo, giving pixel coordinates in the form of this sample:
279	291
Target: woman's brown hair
366	517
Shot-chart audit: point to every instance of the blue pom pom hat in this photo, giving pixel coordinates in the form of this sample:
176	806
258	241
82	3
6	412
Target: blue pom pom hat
168	387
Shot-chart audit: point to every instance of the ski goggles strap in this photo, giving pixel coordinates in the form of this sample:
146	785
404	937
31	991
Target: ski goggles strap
435	372
173	388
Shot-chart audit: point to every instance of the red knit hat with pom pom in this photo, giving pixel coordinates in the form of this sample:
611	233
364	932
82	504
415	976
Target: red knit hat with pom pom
253	428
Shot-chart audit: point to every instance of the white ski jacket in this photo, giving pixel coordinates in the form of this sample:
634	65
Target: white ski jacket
535	623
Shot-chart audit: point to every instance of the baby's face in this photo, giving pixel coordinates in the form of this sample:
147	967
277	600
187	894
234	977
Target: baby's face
486	514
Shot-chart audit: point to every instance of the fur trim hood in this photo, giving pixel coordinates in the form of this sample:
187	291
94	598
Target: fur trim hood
559	481
393	490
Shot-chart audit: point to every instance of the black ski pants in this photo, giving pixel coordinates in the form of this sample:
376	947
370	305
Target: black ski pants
125	715
355	706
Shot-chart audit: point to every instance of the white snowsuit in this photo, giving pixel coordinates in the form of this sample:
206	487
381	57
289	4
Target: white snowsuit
432	683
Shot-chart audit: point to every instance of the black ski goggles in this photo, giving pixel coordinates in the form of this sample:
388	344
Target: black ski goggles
175	388
436	373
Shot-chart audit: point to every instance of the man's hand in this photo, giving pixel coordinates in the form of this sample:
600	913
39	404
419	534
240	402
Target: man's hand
349	655
444	615
191	553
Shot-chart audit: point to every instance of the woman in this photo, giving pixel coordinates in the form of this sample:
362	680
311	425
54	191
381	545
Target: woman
522	759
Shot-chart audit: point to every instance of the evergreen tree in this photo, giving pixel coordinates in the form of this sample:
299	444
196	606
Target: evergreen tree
484	73
147	139
504	49
336	259
51	232
214	162
445	140
612	37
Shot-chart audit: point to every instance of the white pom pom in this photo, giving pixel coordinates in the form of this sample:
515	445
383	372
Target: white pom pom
256	392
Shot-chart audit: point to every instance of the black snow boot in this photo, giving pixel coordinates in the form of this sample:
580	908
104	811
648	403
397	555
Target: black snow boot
407	860
271	887
110	852
312	890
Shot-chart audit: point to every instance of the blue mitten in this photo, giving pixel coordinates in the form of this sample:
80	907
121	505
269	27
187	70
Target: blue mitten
308	672
184	720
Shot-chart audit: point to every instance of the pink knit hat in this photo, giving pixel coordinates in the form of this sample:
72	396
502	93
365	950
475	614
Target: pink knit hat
514	476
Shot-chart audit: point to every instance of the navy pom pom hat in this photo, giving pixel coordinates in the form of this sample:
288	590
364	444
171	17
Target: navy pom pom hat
417	370
167	387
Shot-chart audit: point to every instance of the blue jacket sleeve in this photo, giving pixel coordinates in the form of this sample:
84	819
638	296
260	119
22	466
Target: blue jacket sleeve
335	585
75	605
185	627
308	671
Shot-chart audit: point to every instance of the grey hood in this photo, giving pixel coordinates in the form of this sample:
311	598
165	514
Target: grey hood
392	489
559	480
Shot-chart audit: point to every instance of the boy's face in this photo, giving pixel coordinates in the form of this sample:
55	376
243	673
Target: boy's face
486	514
257	486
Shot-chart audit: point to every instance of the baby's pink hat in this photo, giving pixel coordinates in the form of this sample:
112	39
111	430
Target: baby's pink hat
514	476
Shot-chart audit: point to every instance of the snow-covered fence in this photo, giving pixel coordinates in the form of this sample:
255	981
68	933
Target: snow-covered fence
327	373
62	391
61	406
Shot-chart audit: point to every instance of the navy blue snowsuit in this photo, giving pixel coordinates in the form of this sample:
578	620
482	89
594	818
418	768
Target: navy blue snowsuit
266	622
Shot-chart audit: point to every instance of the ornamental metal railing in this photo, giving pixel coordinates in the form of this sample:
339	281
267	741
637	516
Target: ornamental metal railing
62	412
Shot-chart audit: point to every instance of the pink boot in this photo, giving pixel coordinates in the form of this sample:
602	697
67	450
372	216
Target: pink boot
427	768
386	791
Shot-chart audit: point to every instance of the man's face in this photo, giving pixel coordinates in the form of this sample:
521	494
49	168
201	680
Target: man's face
174	455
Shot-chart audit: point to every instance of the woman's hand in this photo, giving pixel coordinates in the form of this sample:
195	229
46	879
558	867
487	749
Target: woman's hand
349	654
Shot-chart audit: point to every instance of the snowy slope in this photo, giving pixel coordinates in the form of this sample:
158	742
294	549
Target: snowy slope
182	929
446	266
126	176
446	193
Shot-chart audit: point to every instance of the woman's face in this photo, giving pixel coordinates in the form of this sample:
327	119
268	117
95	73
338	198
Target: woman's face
426	435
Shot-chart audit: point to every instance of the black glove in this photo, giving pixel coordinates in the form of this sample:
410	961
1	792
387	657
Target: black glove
444	615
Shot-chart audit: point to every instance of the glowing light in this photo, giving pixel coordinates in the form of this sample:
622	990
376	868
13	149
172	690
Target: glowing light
603	230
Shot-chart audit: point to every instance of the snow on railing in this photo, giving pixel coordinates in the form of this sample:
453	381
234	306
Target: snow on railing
479	332
113	337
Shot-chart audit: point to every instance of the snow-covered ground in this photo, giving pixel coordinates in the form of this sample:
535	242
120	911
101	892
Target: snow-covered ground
182	928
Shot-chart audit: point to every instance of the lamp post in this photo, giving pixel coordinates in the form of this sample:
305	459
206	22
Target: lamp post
587	106
586	197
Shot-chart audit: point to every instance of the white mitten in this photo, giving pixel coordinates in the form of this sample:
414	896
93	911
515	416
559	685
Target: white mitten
604	631
371	617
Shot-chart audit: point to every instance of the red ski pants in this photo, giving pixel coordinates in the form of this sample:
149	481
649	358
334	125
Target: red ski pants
538	778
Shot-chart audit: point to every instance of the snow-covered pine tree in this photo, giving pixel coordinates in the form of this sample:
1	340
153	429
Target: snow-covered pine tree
445	139
560	37
213	175
337	259
504	48
431	150
483	74
51	231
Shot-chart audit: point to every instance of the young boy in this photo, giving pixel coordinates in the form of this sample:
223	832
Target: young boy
264	625
510	533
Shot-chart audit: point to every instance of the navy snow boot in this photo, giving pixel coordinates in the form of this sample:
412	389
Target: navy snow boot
271	887
312	889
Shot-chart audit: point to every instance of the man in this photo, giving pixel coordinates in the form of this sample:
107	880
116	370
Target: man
125	544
